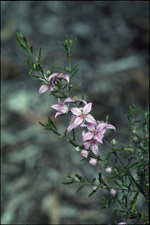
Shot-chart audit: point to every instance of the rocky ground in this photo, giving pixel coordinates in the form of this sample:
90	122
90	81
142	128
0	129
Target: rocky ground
112	49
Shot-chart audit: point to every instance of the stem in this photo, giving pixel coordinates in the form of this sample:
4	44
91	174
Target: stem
116	155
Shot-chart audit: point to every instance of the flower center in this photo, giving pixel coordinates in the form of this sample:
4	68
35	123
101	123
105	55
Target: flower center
60	75
83	115
92	142
94	131
75	98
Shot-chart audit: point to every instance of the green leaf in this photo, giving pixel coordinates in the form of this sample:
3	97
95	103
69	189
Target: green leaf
107	158
40	51
92	193
74	73
68	183
79	188
23	43
128	149
132	204
107	117
30	63
117	183
93	180
122	204
80	178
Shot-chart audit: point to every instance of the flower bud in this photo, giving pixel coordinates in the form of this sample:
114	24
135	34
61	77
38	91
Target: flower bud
48	72
135	139
108	170
114	142
95	188
36	58
113	192
77	149
84	153
134	132
93	162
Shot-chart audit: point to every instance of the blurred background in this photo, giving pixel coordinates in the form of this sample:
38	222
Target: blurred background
112	49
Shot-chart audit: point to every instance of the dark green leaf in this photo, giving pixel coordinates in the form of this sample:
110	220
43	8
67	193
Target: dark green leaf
79	188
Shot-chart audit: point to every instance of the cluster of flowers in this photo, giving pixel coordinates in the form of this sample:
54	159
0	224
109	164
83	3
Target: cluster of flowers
95	130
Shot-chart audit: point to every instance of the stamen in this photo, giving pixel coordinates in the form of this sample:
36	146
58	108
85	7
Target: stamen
75	98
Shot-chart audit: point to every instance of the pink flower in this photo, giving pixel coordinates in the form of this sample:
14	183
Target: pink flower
60	76
93	162
97	132
61	108
75	99
91	144
94	132
84	153
82	115
104	126
45	87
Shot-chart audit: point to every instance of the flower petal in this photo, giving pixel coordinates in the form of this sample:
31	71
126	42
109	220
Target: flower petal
57	114
70	127
87	136
83	133
69	100
95	149
90	119
43	88
59	102
98	137
86	145
52	75
87	108
51	87
56	106
77	121
66	77
76	111
64	108
81	100
90	126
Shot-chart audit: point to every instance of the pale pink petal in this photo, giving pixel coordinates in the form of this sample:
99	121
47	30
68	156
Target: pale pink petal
43	88
52	75
87	108
69	100
83	133
77	121
90	119
93	162
57	114
90	126
86	145
100	126
98	137
109	126
56	106
94	148
64	108
76	111
83	124
71	117
70	127
84	153
103	131
59	102
51	87
87	136
66	77
81	100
